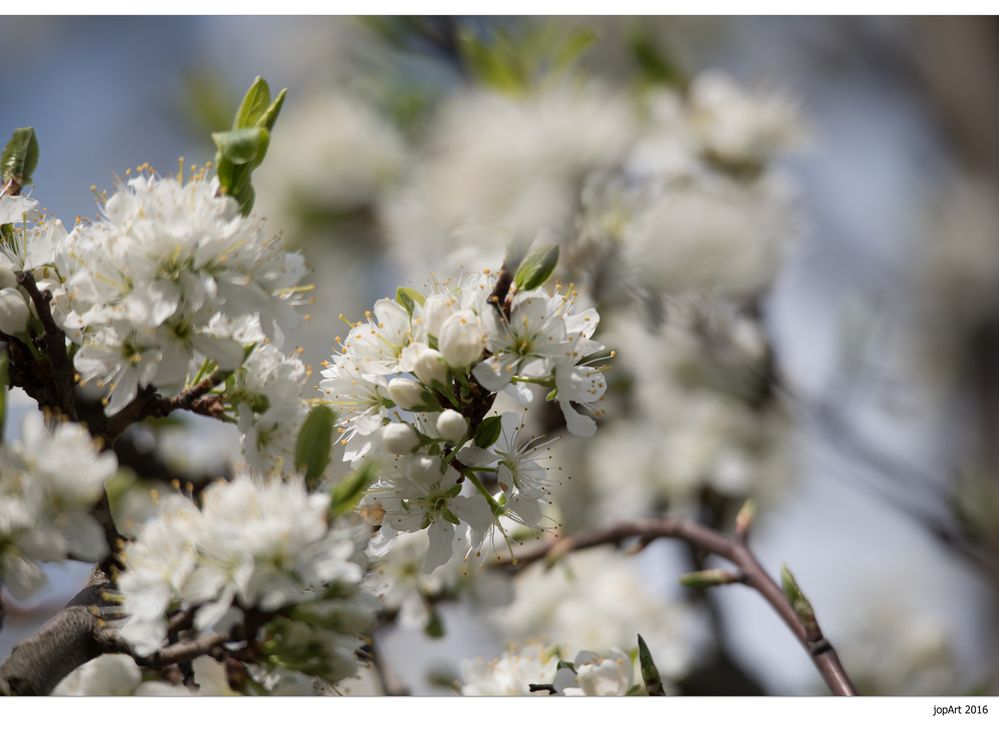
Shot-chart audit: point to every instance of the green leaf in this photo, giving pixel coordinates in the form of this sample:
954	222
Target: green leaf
20	156
270	116
488	431
799	603
408	298
244	147
650	674
656	66
315	440
253	106
241	146
574	47
490	65
345	496
536	268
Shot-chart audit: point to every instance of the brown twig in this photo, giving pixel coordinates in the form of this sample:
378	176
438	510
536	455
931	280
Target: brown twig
185	650
149	404
63	374
735	550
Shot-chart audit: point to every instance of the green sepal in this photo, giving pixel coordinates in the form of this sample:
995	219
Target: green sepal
536	268
408	298
650	674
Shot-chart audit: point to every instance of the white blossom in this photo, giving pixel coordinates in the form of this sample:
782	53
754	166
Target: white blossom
596	675
164	280
512	673
265	545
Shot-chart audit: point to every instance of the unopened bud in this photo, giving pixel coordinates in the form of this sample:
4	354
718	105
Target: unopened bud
436	309
451	425
7	278
744	519
14	312
399	438
430	367
461	340
799	603
405	393
710	578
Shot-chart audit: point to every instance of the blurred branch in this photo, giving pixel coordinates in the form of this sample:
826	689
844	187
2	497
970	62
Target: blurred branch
390	682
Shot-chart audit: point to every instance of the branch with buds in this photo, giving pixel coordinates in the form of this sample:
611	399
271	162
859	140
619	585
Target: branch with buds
789	603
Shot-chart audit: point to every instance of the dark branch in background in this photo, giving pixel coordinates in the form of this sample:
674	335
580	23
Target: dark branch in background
387	678
720	675
734	549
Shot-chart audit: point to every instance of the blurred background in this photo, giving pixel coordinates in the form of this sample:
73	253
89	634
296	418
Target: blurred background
813	323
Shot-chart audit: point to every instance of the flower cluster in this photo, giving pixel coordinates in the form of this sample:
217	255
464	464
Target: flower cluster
413	386
601	612
267	399
50	480
508	165
697	204
28	242
699	416
169	277
263	549
404	589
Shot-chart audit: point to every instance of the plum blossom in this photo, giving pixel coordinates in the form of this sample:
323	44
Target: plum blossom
50	481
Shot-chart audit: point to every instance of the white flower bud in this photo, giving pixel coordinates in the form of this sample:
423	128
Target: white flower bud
424	469
436	309
7	278
406	393
14	312
430	367
452	425
399	438
461	339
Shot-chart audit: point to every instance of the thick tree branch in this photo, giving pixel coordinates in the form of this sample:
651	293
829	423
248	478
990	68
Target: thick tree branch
735	550
70	639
